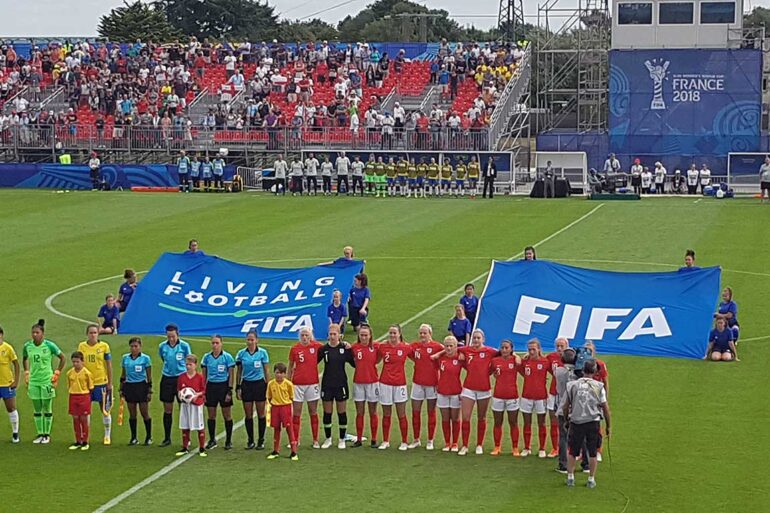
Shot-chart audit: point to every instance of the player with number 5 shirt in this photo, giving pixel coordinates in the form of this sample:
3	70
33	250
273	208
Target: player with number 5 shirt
393	354
303	373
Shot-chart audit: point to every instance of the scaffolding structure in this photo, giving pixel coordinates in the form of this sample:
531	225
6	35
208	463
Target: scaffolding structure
572	75
510	20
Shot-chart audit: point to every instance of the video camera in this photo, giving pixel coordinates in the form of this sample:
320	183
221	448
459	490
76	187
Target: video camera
582	355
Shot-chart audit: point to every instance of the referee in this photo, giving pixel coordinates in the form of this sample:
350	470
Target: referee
172	352
584	405
334	384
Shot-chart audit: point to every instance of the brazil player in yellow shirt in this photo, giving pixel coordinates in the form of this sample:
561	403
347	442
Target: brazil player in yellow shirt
433	173
9	382
390	172
402	171
379	177
474	170
411	171
98	361
80	384
280	394
422	172
446	177
41	379
461	173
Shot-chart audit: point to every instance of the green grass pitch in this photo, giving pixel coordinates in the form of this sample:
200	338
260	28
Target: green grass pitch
686	434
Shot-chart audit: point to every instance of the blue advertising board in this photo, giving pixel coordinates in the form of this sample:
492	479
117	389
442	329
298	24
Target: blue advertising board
685	102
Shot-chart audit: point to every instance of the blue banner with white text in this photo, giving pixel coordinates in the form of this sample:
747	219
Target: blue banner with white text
206	295
685	101
645	314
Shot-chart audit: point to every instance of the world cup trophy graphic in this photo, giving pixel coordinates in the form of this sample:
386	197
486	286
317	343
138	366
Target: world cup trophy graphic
657	74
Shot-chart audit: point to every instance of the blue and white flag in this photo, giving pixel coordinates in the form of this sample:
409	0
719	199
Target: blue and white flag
205	295
646	314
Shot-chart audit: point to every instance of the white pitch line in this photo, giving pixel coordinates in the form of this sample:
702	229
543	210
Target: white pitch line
697	201
482	275
154	477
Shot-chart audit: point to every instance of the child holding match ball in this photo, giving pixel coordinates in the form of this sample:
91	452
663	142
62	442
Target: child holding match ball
191	388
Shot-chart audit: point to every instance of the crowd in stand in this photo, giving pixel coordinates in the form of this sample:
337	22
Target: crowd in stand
109	87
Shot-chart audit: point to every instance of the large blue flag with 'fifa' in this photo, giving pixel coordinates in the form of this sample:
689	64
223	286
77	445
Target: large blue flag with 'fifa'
647	314
206	295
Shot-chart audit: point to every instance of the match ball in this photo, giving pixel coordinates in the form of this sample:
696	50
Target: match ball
223	152
186	395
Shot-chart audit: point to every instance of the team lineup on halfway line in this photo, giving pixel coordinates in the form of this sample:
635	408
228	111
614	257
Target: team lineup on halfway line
379	381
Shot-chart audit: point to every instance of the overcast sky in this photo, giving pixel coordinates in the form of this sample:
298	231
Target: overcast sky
22	18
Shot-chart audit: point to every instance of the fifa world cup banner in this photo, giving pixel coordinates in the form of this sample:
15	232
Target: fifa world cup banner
685	102
206	295
646	314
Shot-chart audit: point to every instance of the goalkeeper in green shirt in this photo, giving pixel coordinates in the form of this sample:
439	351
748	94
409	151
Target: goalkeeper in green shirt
41	379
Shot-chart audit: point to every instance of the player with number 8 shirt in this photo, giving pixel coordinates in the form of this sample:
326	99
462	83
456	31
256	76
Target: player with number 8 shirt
393	354
303	373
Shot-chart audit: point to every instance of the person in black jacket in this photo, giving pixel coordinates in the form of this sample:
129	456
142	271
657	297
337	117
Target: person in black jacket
334	384
489	173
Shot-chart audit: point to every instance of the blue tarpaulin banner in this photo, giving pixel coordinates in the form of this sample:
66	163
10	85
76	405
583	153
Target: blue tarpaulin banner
207	295
645	314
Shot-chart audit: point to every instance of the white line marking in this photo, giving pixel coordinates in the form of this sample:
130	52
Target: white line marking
482	275
697	201
154	477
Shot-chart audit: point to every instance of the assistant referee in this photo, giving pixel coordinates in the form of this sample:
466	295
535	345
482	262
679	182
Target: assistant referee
584	405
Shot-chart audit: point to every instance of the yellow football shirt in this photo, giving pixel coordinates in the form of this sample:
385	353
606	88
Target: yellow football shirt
7	357
79	382
96	357
280	394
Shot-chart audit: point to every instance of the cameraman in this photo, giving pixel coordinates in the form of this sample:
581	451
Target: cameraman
584	403
562	376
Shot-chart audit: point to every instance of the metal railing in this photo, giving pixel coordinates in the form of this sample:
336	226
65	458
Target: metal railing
199	138
509	101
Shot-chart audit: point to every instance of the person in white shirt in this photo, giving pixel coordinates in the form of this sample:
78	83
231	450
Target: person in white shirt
660	178
692	179
357	170
230	61
387	131
237	80
279	169
94	165
646	181
611	165
636	176
764	180
311	174
343	163
326	175
705	177
296	174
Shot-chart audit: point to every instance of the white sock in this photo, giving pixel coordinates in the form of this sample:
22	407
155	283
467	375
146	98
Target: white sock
107	420
591	479
14	418
570	476
89	421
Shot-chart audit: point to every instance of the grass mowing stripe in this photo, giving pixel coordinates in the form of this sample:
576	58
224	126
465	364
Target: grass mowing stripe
485	273
157	475
171	466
